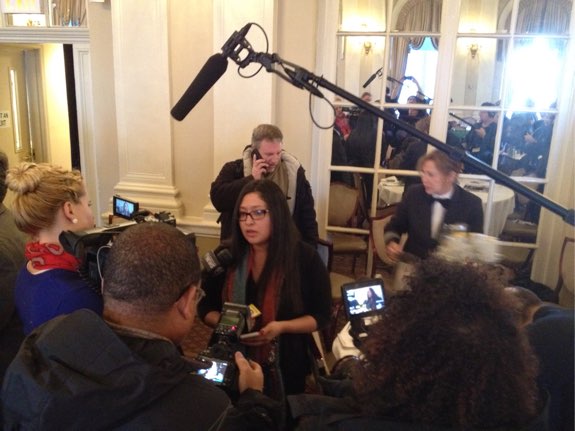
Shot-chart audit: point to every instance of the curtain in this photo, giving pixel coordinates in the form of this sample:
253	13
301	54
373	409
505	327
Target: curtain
415	16
544	16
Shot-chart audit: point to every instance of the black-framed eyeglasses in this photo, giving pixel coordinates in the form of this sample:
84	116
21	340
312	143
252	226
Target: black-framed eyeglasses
254	214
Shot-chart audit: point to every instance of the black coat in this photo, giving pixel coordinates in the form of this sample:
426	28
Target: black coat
227	186
315	296
76	373
413	217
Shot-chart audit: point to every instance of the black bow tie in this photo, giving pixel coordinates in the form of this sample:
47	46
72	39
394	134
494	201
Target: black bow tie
444	202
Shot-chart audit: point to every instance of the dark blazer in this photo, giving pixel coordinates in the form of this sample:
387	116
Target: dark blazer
413	217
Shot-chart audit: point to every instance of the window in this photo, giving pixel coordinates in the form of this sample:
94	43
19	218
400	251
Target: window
510	57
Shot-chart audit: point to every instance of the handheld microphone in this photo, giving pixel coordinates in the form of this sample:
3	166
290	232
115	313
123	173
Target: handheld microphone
209	74
214	68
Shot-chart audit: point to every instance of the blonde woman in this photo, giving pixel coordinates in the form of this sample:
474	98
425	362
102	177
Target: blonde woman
50	200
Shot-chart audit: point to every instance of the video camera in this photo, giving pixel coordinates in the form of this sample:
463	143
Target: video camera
223	344
92	247
130	210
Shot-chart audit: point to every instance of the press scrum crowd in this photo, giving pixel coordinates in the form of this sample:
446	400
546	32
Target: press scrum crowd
455	350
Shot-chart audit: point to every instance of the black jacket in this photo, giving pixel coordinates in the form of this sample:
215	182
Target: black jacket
76	373
316	299
234	176
413	217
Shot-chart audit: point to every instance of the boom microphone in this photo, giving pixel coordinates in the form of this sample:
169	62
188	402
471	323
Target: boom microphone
372	77
214	68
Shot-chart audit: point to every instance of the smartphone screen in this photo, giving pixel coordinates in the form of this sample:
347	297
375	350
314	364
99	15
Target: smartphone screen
216	372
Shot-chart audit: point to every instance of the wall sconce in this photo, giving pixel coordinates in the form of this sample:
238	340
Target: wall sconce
367	47
473	48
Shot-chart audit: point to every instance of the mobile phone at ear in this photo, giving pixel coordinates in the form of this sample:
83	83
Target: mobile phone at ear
257	154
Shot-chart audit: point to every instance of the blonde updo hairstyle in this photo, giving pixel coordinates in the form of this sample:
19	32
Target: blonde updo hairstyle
41	189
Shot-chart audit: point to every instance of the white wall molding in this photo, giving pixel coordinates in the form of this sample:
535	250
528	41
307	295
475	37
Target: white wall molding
145	146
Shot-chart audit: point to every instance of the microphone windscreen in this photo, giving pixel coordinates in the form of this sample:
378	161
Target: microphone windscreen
206	78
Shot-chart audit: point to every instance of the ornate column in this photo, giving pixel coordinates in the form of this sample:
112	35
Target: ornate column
142	84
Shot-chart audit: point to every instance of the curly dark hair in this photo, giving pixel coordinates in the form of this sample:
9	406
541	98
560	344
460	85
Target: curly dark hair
447	352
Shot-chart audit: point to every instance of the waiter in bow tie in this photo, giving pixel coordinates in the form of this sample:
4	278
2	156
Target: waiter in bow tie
426	207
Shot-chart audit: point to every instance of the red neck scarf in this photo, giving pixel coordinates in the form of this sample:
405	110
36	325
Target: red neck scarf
239	276
50	256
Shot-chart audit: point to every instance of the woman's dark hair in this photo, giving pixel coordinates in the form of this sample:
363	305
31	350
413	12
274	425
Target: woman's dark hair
447	353
282	246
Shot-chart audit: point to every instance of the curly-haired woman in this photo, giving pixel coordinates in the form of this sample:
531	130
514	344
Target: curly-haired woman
446	353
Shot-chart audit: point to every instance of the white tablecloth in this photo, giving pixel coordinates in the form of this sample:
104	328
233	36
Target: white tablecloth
503	201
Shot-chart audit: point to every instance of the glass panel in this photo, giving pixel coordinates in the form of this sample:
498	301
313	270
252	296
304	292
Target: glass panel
402	150
525	143
348	200
68	13
535	68
360	59
477	71
358	15
485	16
544	16
521	224
412	68
417	16
476	132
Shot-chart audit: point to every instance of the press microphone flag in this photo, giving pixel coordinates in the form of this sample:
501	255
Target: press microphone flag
214	68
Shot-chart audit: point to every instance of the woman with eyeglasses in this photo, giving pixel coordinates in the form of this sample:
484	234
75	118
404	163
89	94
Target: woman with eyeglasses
280	276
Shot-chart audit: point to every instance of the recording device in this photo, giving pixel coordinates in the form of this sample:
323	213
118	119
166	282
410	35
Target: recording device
124	208
257	154
363	302
91	248
219	372
216	261
130	210
214	68
224	343
145	216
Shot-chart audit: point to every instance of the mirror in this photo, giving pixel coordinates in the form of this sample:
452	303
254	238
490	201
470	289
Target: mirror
513	69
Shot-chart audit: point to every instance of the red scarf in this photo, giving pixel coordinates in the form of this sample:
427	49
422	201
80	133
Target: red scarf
50	256
261	354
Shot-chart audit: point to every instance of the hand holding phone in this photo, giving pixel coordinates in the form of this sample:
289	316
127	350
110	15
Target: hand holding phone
259	166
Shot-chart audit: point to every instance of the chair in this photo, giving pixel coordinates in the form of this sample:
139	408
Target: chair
516	227
344	210
325	250
376	227
566	271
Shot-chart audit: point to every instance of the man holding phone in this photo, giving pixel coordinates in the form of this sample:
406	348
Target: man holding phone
126	371
265	158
